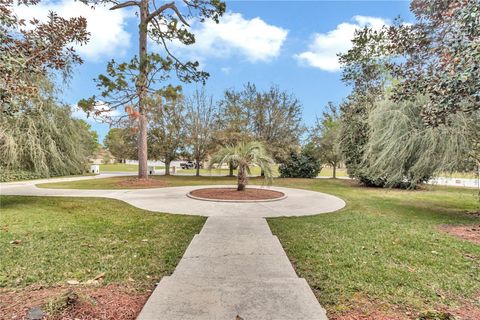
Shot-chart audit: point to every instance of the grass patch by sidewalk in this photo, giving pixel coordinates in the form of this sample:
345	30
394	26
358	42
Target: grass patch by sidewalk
62	239
385	247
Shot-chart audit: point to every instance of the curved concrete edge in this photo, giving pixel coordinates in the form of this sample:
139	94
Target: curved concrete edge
190	195
173	200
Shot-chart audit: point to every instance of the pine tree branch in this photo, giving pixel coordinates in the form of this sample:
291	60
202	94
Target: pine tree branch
166	6
125	4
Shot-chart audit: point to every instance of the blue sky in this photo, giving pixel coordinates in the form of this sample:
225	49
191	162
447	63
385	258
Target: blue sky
291	44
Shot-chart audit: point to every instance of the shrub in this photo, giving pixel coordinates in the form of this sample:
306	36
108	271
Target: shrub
300	165
18	175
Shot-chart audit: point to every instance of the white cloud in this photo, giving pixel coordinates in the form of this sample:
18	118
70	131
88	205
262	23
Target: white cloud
253	39
322	52
108	36
226	70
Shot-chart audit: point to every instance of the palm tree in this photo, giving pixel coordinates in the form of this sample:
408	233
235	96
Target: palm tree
244	155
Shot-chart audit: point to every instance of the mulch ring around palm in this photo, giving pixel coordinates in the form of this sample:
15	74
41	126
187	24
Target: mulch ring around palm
232	194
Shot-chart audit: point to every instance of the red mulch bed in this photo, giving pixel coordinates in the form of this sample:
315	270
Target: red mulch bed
82	302
233	194
142	183
465	232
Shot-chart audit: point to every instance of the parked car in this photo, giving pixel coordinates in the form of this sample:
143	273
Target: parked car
187	165
190	165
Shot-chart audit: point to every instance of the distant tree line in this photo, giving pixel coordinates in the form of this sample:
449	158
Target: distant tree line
196	126
414	109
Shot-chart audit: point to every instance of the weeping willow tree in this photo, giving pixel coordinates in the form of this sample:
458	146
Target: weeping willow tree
402	151
43	139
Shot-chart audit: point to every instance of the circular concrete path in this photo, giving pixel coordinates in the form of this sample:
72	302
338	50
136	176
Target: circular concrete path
174	200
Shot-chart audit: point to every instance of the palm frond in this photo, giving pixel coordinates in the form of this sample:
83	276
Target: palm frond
247	154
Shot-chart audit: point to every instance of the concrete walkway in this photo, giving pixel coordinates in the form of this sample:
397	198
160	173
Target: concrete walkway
235	268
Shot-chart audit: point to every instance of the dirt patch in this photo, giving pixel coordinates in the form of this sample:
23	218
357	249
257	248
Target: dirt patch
107	302
374	315
464	232
473	213
141	183
467	312
233	194
369	310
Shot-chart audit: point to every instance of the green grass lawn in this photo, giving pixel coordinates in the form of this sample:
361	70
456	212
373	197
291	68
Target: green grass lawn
384	248
328	172
325	172
460	175
121	167
113	183
255	171
80	238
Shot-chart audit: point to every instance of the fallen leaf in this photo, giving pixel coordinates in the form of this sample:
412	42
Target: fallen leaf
100	276
16	242
73	282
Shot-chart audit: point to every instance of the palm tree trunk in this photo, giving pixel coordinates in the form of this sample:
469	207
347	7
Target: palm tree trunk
242	178
230	167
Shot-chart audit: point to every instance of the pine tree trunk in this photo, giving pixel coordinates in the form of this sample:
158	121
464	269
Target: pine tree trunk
142	148
141	91
242	178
